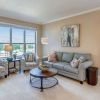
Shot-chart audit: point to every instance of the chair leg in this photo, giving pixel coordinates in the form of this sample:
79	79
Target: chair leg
81	82
5	76
24	71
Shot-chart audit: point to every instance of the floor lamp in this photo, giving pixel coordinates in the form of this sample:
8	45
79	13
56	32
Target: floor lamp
44	41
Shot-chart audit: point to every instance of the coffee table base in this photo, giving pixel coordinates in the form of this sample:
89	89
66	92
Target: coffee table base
43	83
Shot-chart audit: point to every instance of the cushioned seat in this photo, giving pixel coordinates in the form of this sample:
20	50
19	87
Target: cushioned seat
59	65
68	68
31	64
30	61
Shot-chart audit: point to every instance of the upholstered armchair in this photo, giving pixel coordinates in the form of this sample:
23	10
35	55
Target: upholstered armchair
3	68
31	61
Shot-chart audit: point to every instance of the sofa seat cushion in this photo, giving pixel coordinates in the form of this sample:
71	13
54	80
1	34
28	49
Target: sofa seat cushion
30	64
67	57
59	65
68	68
47	63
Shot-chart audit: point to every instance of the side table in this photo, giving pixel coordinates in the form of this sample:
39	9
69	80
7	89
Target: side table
14	67
92	75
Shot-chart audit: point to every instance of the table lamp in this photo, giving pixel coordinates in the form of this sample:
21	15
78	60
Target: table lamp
8	49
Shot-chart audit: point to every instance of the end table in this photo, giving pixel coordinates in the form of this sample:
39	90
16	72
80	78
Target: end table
92	75
14	67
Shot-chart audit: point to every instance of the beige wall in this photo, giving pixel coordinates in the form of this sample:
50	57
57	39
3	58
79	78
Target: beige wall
89	35
26	24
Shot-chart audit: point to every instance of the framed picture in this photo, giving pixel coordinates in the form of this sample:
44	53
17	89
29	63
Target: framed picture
70	36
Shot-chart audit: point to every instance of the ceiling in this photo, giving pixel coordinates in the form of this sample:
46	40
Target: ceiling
44	11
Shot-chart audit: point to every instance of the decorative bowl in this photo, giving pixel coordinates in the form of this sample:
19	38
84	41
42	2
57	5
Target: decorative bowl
43	68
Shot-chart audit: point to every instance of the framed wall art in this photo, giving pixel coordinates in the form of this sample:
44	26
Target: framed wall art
70	36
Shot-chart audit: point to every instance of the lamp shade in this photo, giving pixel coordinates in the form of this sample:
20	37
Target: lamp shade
8	48
44	40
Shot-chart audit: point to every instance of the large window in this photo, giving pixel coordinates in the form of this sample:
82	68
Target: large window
30	41
4	39
18	41
22	40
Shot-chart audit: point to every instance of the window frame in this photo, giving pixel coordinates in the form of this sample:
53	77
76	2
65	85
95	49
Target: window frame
24	36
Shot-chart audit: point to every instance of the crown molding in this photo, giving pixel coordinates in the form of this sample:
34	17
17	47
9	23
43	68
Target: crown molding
73	15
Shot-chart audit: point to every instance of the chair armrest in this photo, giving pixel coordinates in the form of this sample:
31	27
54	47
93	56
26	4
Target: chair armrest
5	65
82	69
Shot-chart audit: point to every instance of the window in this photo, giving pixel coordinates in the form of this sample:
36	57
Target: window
30	40
17	35
4	34
18	49
18	41
4	39
30	48
30	34
22	40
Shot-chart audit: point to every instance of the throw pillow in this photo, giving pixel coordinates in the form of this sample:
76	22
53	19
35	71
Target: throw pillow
29	57
74	63
82	59
52	57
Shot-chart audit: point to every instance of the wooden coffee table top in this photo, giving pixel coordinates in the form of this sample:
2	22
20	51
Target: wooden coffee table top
36	72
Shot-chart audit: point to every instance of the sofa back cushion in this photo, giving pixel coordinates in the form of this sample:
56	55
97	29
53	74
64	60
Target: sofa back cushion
86	56
67	57
59	56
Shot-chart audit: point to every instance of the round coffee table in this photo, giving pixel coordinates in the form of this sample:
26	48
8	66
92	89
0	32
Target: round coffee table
43	80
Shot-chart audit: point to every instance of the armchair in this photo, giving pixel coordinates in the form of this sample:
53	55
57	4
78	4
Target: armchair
30	61
3	68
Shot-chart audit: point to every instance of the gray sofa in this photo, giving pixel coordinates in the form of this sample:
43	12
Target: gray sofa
64	68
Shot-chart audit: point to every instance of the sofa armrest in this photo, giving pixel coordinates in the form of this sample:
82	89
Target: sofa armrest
82	69
86	64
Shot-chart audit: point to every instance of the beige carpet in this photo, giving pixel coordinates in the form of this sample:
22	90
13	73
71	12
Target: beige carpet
17	87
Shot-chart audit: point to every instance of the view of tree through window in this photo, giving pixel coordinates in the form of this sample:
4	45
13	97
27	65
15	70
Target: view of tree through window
22	40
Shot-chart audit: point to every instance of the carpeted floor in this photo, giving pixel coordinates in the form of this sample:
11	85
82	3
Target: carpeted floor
17	87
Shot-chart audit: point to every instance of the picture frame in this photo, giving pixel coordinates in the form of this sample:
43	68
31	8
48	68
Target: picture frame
70	35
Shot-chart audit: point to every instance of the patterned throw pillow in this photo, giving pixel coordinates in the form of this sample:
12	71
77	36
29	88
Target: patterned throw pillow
82	59
29	57
74	63
52	57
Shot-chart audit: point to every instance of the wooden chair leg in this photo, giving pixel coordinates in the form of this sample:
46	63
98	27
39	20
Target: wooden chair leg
81	82
5	76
